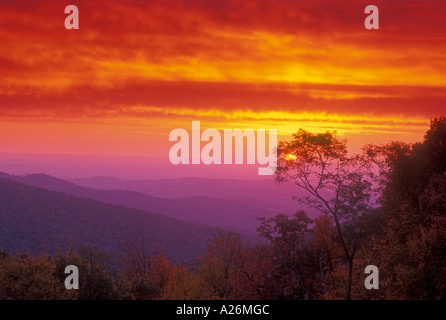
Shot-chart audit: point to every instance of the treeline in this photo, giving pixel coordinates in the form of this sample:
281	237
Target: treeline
384	207
295	263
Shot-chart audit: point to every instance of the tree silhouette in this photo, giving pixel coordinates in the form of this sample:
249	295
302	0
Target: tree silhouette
288	240
413	247
336	184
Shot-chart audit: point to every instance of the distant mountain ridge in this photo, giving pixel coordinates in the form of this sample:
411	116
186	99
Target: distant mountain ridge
265	189
34	220
238	213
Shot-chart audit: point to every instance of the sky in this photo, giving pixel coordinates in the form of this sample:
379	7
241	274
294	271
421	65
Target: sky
135	70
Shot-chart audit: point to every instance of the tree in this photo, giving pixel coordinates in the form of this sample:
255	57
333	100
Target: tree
30	278
218	274
180	284
413	246
160	270
95	272
336	184
325	239
137	281
293	267
146	276
146	268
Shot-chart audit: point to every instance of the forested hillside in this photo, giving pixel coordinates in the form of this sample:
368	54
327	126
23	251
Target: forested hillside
34	220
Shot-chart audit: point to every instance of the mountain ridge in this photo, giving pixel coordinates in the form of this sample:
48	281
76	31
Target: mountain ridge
238	214
36	220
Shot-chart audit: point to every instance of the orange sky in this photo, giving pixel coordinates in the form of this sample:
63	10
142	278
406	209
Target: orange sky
137	69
